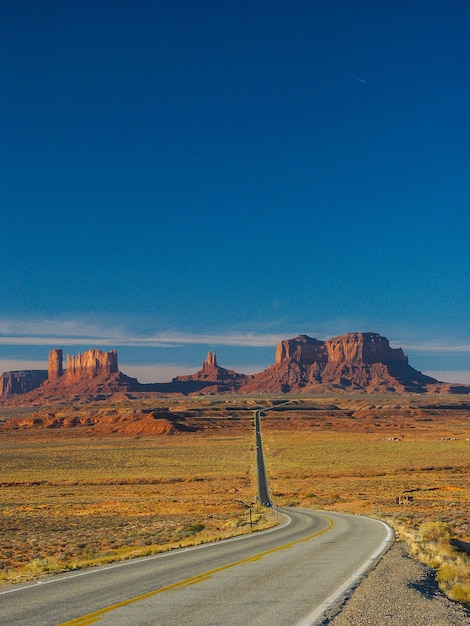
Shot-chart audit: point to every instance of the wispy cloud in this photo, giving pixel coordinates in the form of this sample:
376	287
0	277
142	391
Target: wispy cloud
55	331
11	365
451	376
436	346
142	333
133	334
80	332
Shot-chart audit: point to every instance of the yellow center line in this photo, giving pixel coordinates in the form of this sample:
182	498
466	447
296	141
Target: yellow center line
91	618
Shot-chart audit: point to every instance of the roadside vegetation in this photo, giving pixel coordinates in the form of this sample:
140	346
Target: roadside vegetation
433	543
66	504
428	505
76	497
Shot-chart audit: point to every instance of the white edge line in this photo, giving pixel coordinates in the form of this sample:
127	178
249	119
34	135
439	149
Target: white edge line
312	617
95	570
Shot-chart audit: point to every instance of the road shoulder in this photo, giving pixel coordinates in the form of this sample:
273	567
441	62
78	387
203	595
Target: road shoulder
399	591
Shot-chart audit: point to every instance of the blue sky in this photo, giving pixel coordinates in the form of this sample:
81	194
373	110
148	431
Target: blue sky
192	176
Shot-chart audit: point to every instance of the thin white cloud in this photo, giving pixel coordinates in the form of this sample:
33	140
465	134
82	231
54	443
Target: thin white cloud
222	339
55	340
132	333
435	347
54	327
70	333
165	340
451	376
12	365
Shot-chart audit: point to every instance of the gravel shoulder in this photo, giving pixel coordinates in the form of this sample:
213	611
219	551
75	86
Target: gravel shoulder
399	592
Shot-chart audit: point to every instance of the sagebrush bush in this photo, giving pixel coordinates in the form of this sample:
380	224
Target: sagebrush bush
431	545
435	531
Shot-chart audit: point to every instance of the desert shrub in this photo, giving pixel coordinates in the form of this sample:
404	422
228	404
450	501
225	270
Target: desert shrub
431	544
460	592
195	528
454	580
435	531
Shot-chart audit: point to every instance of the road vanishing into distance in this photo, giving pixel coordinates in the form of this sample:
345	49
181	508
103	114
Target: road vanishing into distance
263	490
295	573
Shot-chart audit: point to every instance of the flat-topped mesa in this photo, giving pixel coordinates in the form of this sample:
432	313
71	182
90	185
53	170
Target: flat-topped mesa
90	364
364	349
353	362
21	381
302	349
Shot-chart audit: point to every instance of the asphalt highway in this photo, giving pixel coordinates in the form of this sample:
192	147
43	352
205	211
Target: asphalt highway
263	491
288	575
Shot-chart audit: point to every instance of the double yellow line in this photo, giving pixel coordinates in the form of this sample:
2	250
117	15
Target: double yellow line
91	618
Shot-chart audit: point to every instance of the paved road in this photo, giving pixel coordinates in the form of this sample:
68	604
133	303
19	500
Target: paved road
263	491
283	576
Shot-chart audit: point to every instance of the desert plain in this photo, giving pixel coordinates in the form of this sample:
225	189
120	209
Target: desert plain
83	484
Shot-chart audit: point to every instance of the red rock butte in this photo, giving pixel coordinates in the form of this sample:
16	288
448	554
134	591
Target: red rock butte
90	364
353	362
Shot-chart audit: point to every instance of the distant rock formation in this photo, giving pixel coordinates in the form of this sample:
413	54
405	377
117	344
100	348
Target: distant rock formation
93	375
302	349
210	362
363	349
210	379
21	381
90	364
368	361
352	362
54	365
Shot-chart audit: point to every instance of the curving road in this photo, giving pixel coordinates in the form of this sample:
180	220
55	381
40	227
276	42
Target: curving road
288	575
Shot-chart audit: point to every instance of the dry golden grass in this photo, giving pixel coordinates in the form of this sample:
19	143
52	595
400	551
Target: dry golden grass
68	503
361	473
76	496
432	544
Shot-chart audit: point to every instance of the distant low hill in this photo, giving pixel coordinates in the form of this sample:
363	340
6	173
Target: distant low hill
353	362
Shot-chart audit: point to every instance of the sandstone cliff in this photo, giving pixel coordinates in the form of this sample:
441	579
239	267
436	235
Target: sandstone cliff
54	365
302	349
93	375
21	381
90	364
352	362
